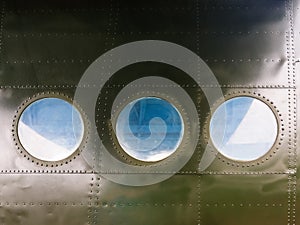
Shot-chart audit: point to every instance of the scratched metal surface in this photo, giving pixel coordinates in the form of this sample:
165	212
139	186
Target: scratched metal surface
250	46
296	180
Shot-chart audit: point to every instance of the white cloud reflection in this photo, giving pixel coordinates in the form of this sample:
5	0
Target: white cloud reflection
250	129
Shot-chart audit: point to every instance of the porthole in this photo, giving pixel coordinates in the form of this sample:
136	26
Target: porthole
243	128
50	129
149	129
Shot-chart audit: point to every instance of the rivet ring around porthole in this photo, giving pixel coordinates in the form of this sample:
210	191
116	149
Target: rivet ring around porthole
175	127
49	129
252	129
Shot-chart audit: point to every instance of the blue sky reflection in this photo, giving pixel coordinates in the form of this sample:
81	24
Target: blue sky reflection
50	129
149	129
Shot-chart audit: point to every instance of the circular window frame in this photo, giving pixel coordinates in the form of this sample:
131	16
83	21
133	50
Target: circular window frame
245	163
172	104
160	87
152	94
25	153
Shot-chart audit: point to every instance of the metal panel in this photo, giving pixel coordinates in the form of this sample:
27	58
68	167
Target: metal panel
30	188
244	199
174	201
36	198
44	214
250	46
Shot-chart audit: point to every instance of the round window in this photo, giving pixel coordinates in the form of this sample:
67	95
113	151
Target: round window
50	129
243	128
149	129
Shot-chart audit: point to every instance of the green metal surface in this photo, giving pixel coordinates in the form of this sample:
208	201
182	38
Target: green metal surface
251	47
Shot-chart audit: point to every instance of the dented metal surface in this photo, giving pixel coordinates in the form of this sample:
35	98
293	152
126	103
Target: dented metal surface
252	49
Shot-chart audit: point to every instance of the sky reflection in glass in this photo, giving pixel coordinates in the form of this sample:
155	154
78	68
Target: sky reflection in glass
50	129
149	129
243	128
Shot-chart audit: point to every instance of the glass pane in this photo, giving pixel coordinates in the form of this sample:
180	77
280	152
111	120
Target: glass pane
149	129
243	128
50	129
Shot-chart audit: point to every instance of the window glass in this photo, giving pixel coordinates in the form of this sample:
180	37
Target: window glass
243	128
50	129
149	129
